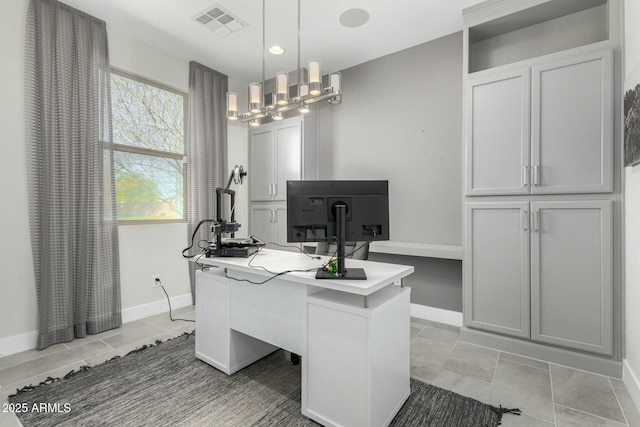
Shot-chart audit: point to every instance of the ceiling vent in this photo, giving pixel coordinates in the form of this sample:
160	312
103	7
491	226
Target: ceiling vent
219	20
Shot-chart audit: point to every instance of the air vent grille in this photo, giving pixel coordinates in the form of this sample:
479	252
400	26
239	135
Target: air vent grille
219	20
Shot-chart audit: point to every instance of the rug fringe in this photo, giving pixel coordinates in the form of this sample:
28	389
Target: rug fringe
500	411
84	368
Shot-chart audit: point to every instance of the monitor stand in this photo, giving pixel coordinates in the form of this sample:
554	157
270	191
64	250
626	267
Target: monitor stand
342	273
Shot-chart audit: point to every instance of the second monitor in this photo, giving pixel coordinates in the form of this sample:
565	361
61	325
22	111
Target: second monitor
340	211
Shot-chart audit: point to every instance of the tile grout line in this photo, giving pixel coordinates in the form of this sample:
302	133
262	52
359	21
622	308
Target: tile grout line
618	400
593	415
553	398
522	364
495	369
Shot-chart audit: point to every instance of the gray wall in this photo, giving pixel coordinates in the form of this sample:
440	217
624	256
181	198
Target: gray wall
401	120
435	282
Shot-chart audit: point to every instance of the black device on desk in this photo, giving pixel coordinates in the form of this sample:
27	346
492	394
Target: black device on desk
230	246
324	211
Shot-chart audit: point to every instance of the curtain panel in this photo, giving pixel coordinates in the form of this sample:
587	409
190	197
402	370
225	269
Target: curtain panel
72	210
206	150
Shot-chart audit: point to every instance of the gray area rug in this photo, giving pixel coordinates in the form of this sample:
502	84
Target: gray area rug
165	385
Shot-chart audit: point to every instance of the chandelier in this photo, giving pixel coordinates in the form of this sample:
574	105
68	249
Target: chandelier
308	91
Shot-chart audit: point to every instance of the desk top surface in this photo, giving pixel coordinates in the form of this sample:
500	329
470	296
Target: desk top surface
378	274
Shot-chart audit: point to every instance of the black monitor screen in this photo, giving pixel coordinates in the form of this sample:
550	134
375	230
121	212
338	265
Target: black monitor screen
311	210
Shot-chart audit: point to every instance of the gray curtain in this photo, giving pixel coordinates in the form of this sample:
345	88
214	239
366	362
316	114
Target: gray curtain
73	222
206	150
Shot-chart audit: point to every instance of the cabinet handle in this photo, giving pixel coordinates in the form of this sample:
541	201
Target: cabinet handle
275	189
536	175
525	220
525	175
536	220
270	215
271	189
275	215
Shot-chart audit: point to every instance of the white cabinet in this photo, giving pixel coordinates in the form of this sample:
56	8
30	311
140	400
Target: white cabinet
275	158
571	274
541	270
571	125
496	267
279	151
497	127
544	130
269	223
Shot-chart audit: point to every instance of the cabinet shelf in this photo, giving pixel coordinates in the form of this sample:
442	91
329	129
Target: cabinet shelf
550	27
529	17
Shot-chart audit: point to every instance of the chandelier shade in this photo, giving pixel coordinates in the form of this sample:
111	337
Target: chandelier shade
255	97
232	106
310	91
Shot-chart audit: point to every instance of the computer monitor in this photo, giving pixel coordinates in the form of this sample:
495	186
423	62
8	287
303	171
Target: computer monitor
338	211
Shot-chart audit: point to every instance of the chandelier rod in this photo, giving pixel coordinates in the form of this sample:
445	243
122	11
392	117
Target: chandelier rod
263	47
299	71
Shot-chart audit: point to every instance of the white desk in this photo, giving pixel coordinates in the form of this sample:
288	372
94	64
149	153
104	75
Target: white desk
353	336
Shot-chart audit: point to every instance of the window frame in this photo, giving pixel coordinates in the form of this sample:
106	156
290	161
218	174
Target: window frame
158	153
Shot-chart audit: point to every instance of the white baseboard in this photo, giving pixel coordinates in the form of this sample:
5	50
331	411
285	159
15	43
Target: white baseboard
29	340
18	343
631	381
448	317
153	308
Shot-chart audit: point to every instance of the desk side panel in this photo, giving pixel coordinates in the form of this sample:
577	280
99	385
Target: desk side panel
212	320
390	357
336	367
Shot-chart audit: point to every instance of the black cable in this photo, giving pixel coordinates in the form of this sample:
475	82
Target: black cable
274	273
202	266
350	254
270	278
193	236
169	302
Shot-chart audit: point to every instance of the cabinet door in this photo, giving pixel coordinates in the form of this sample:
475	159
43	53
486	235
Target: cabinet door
262	221
571	125
497	134
288	140
280	231
571	274
262	170
496	267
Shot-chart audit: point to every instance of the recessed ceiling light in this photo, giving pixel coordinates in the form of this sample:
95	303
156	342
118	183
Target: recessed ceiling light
276	50
353	18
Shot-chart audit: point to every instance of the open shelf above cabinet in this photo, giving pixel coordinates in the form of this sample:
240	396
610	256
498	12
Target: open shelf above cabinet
525	18
549	27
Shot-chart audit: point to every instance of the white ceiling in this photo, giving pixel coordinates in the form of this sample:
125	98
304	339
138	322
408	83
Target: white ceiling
393	25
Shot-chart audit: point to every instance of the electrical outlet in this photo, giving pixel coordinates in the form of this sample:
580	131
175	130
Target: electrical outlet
156	280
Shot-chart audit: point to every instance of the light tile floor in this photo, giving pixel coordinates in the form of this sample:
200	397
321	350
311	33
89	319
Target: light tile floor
547	394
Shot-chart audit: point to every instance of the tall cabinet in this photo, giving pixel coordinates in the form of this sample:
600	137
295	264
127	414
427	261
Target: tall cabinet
541	157
279	151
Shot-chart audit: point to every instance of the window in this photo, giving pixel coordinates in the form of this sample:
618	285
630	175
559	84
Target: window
149	140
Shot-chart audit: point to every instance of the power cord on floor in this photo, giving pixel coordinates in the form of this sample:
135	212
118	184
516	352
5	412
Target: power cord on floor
169	302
